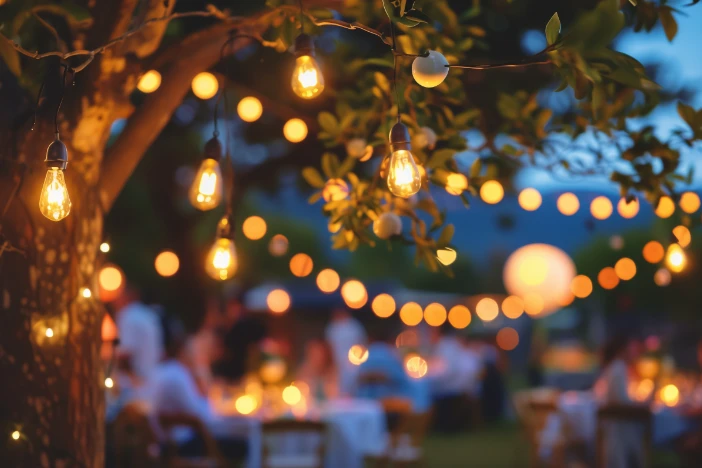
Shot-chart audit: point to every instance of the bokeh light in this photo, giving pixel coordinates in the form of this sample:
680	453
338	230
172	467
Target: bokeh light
459	317
278	301
16	435
245	404
110	280
354	294
278	246
358	354
670	395
416	366
608	278
49	333
254	227
446	256
411	314
568	204
456	183
167	263
628	210
109	383
581	286
292	395
249	109
530	199
295	130
383	305
653	252
86	293
408	339
205	85
625	269
534	304
675	258
507	338
301	265
104	247
335	190
487	309
149	82
665	208
273	370
601	208
682	234
492	192
435	314
328	281
662	277
690	202
513	307
108	329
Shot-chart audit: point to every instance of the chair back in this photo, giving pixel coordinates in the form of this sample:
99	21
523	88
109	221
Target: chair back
275	432
136	444
623	413
212	456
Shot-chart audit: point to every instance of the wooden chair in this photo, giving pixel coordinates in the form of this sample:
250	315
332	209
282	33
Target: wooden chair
136	443
212	457
634	414
281	428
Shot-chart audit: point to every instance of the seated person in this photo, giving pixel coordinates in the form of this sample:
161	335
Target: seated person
318	371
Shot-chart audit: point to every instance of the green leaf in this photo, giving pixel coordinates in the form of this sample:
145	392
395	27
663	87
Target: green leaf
379	62
446	235
670	26
11	58
418	16
382	81
440	158
330	165
553	29
328	123
313	177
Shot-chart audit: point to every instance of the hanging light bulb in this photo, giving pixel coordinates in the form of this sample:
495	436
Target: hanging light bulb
675	258
54	201
222	262
404	178
307	80
206	191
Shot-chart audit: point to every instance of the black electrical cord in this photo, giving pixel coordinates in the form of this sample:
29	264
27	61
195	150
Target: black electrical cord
394	69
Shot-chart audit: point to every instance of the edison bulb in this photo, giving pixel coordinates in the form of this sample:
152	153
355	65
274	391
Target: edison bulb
307	79
54	202
206	191
221	262
404	179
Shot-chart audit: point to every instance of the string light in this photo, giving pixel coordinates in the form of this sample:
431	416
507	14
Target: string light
292	395
254	227
167	264
86	293
653	252
149	82
109	383
404	178
492	192
206	191
205	85
662	277
104	247
690	202
665	208
383	305
530	199
446	256
608	278
411	314
222	262
601	208
487	309
459	317
307	79
675	258
533	304
507	338
435	315
568	204
513	307
278	301
49	333
358	355
628	210
581	286
245	404
416	366
682	235
456	183
625	269
295	130
301	265
15	435
249	109
387	225
354	294
278	246
430	71
328	281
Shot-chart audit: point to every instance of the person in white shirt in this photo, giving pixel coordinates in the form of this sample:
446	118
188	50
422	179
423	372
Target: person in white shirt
342	333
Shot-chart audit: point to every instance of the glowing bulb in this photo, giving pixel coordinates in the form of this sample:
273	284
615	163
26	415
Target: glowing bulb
86	293
307	80
404	179
221	261
149	81
295	130
104	247
54	202
49	333
206	191
205	85
675	259
249	109
109	383
292	395
16	435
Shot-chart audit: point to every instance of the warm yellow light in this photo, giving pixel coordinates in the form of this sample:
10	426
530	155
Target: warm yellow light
533	270
507	338
307	80
278	246
641	391
530	199
86	293
54	202
459	317
446	256
492	192
249	109
16	435
254	227
407	339
222	261
110	279
648	367
273	370
513	307
670	395
358	355
625	268
292	395
335	190
207	187
456	183
690	202
665	208
487	309
245	404
533	304
109	383
601	208
167	263
682	234
301	265
383	305
653	252
628	210
568	204
675	258
49	333
353	291
149	81
295	130
404	178
278	301
411	314
662	277
205	85
416	367
104	247
328	281
435	314
607	277
581	286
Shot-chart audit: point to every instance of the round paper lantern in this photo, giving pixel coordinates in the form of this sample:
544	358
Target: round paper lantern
430	71
387	225
542	270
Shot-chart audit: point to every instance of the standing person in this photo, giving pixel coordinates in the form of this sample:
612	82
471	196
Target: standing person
342	333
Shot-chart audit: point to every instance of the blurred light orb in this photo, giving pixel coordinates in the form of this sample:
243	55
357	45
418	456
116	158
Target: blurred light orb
662	277
292	395
665	208
109	383
435	314
328	281
249	109
335	190
492	192
278	301
601	208
149	82
16	435
675	258
167	263
49	333
273	370
108	329
411	314
254	227
616	242
301	265
690	202
104	247
86	293
408	339
682	234
205	85
110	280
628	210
513	307
625	269
446	256
607	277
581	286
353	291
358	354
487	309
430	71
534	304
357	147
507	338
670	395
245	404
416	366
459	317
530	199
540	269
295	130
653	252
387	225
383	305
278	246
568	204
456	183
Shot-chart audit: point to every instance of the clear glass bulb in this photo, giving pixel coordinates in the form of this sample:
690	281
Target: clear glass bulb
221	261
54	202
206	191
307	79
404	179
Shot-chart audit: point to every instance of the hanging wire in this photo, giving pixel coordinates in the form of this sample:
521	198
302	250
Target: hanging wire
223	96
394	69
302	18
63	92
